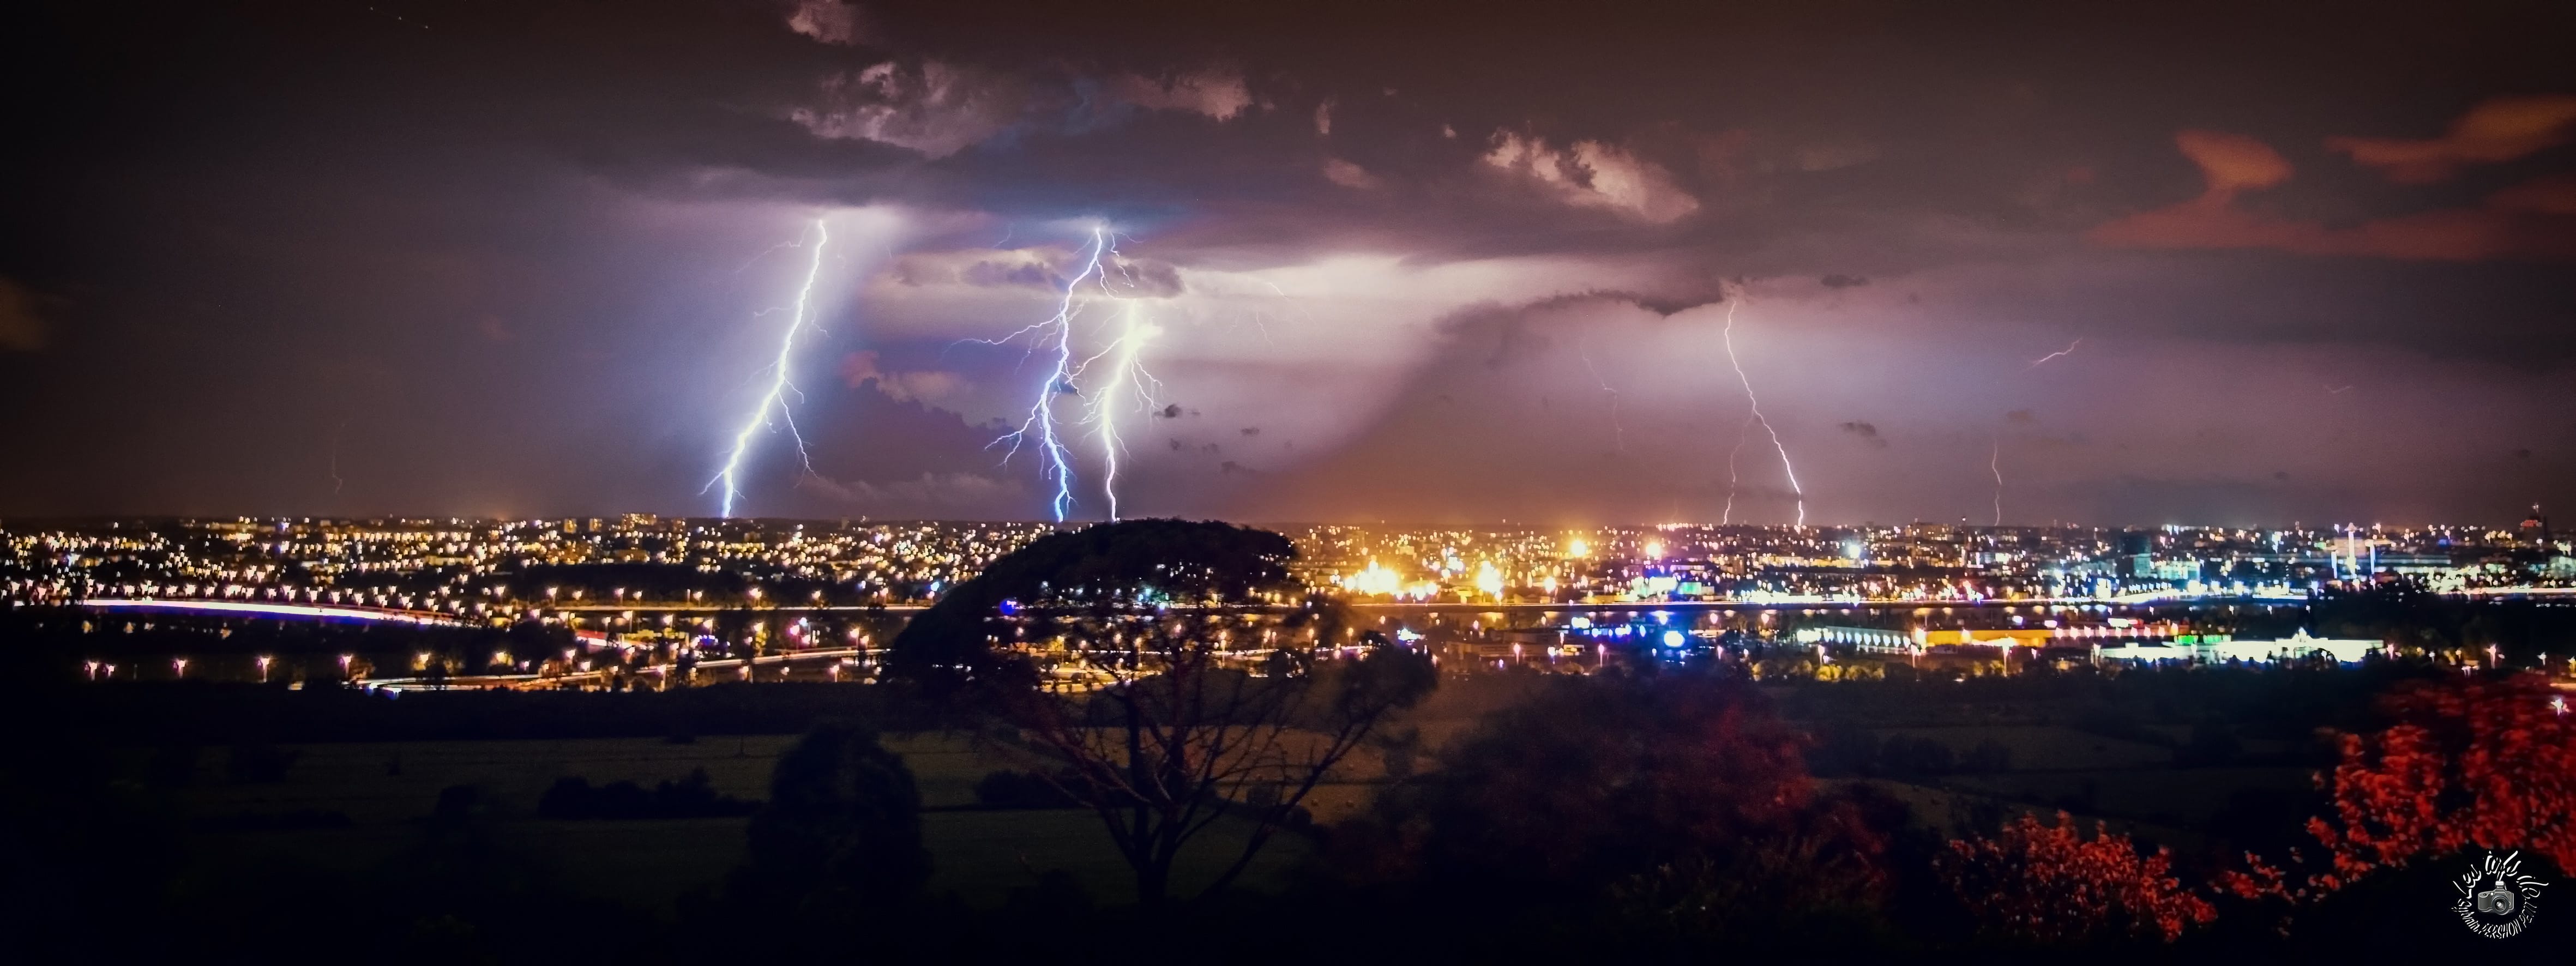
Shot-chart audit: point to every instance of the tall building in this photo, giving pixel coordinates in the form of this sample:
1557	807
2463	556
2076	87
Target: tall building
2137	553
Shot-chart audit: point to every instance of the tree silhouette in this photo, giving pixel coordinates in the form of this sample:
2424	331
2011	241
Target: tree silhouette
841	831
2049	884
1138	667
1676	802
2486	763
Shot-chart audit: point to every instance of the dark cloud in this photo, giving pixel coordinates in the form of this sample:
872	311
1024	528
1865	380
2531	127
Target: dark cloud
991	273
2534	220
1867	432
1145	278
1842	281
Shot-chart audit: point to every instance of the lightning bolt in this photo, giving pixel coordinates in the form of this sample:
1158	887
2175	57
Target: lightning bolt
1755	418
1059	380
2069	350
1727	516
1126	377
779	386
336	481
1995	462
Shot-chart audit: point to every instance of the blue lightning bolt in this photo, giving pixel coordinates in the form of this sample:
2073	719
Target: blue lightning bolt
779	386
1059	379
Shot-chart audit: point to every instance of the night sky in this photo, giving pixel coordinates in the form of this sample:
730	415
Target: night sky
1415	262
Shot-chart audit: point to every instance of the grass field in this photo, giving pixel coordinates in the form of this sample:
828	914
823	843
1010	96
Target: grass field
2133	785
385	789
2044	747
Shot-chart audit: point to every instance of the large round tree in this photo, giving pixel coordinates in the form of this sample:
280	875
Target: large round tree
1166	674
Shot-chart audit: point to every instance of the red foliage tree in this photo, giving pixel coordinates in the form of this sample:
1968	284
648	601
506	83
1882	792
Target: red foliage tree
2485	763
2049	884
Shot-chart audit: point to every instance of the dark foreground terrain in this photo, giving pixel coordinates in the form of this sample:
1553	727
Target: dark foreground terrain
1666	816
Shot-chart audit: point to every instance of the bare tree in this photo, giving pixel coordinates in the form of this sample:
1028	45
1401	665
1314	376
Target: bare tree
1166	675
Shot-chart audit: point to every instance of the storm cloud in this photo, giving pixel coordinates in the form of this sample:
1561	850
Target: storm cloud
537	258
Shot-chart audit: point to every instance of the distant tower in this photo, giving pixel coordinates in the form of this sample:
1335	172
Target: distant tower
2535	528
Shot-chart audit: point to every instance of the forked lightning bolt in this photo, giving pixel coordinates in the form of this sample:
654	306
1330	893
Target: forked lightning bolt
779	386
1127	378
1752	419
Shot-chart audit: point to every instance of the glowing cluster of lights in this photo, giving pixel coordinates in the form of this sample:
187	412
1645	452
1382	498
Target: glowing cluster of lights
1374	580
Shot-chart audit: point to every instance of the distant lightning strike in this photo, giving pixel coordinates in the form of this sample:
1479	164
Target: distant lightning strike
779	386
2069	350
1754	419
1059	379
1743	432
1127	379
336	481
1995	463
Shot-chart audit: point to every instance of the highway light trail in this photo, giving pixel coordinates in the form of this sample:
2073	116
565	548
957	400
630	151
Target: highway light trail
276	610
1755	418
1059	380
779	386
